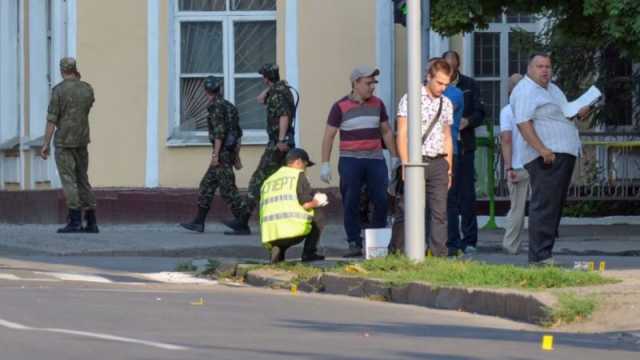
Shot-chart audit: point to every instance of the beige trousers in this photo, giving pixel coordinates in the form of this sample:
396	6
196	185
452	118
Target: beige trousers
518	195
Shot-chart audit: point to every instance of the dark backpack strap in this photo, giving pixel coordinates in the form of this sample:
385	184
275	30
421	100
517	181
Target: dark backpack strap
433	123
297	100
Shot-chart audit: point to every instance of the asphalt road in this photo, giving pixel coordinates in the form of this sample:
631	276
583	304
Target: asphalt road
73	320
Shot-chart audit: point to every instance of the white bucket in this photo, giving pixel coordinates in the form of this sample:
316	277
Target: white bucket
376	242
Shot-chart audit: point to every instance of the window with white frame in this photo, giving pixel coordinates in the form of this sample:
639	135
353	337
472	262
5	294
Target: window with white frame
49	31
497	55
228	39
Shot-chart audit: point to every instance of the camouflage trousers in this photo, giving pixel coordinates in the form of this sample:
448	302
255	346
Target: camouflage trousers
221	177
73	164
272	159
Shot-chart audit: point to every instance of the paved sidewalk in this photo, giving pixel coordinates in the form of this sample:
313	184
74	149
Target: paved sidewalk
169	240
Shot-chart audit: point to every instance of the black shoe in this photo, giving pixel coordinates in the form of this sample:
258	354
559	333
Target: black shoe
74	222
240	232
548	262
197	224
455	253
91	222
354	251
312	257
239	226
277	254
193	227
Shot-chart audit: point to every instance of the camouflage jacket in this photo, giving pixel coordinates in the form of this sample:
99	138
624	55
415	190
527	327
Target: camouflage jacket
279	102
71	101
223	123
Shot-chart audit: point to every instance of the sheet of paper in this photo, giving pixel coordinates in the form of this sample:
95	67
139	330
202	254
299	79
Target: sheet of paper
587	99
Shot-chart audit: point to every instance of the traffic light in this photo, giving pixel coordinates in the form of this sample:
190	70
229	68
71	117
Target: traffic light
400	12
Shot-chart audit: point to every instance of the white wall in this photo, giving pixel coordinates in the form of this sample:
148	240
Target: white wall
9	87
38	82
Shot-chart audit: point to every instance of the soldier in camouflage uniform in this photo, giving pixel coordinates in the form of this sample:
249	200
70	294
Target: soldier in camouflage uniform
68	117
224	133
281	108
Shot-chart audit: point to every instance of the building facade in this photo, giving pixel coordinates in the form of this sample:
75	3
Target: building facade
146	60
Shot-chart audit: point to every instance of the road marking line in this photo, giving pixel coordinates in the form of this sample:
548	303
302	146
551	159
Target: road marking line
77	277
176	278
8	277
164	346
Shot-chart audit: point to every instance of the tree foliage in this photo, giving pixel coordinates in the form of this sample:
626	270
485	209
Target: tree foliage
591	41
604	22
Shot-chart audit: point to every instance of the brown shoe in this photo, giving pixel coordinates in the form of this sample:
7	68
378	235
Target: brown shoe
277	254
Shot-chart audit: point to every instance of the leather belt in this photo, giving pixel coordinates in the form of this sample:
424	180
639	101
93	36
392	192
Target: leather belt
431	158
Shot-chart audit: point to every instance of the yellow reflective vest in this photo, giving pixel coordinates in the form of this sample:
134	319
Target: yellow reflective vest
281	215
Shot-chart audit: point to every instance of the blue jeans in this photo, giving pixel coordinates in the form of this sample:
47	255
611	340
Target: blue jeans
354	173
461	203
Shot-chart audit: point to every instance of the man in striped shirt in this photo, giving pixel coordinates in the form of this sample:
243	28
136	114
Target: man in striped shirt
363	123
552	143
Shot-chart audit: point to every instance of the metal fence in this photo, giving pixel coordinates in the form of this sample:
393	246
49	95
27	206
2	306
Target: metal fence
608	169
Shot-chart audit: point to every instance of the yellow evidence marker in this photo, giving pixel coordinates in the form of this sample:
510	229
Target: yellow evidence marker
294	289
199	302
547	343
592	265
602	266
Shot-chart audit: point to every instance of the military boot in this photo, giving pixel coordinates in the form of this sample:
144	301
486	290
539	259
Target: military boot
197	224
74	222
91	224
240	226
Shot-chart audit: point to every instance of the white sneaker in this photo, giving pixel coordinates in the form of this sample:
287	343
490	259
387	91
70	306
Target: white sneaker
470	250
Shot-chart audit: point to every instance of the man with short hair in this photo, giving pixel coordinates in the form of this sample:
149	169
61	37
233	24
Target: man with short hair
552	145
363	123
281	110
465	173
436	118
288	210
453	197
517	176
223	123
68	116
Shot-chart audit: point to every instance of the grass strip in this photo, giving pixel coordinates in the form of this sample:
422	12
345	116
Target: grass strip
400	270
454	272
572	308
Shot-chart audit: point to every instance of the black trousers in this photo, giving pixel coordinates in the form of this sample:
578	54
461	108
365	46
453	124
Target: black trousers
311	240
549	186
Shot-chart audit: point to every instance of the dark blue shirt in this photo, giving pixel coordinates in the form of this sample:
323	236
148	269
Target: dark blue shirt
457	99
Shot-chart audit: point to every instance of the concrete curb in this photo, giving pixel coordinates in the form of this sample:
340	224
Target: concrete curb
534	308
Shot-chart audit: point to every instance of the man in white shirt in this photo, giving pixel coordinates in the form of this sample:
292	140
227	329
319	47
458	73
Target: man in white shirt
517	176
552	144
437	148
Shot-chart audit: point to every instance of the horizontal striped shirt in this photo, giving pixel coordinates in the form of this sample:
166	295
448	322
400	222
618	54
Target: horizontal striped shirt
530	101
359	124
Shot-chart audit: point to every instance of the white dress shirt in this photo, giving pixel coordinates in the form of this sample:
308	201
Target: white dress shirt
508	123
531	101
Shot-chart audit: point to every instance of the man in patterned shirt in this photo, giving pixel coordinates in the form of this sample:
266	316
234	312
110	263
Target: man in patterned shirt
437	149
